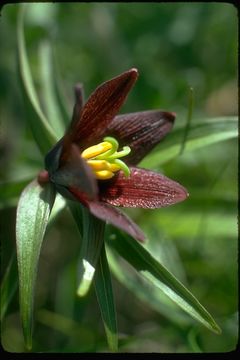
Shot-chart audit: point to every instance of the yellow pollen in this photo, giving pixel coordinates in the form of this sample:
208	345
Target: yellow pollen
104	174
114	167
96	150
97	165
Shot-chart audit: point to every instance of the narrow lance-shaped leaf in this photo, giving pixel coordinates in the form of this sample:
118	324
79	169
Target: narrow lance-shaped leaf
144	290
48	91
152	270
201	133
92	231
33	212
41	130
104	292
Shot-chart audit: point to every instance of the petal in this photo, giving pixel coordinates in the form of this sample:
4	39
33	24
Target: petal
79	100
115	217
110	214
52	159
76	173
100	109
141	131
67	138
143	188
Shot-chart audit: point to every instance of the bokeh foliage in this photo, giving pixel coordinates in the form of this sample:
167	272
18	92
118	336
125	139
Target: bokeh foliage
174	46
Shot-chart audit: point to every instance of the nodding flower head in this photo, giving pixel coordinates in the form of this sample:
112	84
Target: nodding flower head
95	161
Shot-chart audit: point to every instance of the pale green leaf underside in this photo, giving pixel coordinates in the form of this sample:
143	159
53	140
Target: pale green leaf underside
32	217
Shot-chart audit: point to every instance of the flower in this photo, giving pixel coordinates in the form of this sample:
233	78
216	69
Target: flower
86	165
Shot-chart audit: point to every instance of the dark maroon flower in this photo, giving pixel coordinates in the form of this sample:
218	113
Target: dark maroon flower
86	164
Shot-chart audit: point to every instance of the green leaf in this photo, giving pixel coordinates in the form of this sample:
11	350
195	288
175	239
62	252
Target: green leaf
41	130
48	90
158	275
33	212
144	290
59	88
201	133
92	231
104	292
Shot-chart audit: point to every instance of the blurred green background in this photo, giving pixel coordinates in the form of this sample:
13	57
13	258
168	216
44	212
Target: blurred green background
174	46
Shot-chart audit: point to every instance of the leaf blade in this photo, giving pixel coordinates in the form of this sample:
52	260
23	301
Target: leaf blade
49	95
32	216
144	290
201	133
104	292
39	125
153	271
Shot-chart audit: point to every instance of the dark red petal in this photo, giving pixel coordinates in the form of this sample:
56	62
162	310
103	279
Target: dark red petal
143	188
100	109
109	214
115	217
76	173
141	131
67	138
79	100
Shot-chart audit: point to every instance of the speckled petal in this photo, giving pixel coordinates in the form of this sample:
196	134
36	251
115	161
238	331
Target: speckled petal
141	131
110	214
100	109
143	188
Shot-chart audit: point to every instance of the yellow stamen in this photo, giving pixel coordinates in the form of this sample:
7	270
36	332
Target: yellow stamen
97	165
95	150
113	167
103	158
104	174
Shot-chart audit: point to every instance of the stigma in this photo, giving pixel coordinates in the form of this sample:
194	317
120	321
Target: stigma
104	158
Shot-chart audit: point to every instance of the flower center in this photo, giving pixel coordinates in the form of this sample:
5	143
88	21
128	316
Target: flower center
104	160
